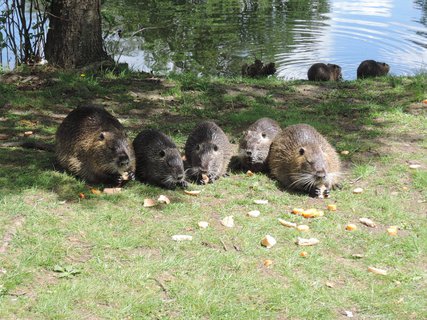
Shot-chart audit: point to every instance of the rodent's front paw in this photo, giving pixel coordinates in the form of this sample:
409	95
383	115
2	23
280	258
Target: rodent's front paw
131	175
183	184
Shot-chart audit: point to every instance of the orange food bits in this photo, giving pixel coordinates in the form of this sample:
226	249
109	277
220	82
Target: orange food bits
351	227
267	262
392	230
304	254
332	207
297	211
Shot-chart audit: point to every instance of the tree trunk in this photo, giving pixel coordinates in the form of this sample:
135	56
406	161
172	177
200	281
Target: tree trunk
74	38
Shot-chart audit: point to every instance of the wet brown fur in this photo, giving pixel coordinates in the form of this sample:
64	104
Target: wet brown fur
255	144
372	68
207	152
299	151
324	72
92	144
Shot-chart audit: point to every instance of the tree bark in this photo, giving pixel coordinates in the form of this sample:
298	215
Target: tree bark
74	38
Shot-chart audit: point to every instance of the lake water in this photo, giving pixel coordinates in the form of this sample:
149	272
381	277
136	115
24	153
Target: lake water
216	37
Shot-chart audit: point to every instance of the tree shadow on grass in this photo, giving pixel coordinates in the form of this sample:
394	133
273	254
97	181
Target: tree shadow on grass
23	169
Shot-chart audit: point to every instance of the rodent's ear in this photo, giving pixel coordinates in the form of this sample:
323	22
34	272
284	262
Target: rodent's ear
162	153
101	136
301	151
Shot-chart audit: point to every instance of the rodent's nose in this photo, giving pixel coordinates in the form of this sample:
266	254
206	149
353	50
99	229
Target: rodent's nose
180	177
321	174
248	153
123	160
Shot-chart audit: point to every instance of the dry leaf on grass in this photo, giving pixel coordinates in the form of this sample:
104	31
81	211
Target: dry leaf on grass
228	222
367	222
149	203
268	241
182	237
28	133
163	199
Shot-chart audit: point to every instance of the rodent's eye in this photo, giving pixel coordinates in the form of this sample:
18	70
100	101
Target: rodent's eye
215	147
301	151
101	136
162	153
264	135
198	147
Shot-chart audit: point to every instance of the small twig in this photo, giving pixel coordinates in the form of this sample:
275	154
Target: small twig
357	179
223	245
161	285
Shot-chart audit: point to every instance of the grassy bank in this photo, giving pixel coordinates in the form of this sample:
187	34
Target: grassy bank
108	257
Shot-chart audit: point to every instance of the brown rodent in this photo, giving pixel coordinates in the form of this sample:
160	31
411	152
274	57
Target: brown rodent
372	68
255	144
258	69
301	159
208	152
324	72
92	144
158	160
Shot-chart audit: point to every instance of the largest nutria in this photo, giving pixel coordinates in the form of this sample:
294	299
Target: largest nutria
372	68
324	72
301	159
208	153
92	144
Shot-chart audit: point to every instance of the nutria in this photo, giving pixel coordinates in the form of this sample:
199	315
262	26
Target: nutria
208	153
258	69
372	68
158	160
324	72
92	144
255	144
301	159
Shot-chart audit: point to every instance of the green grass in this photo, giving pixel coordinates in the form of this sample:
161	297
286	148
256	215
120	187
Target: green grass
108	257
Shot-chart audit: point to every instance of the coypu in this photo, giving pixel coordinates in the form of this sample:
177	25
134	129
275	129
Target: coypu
208	152
255	144
92	144
324	72
372	68
301	159
257	69
158	160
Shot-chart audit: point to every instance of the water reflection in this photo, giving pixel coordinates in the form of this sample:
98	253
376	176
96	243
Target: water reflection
216	37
